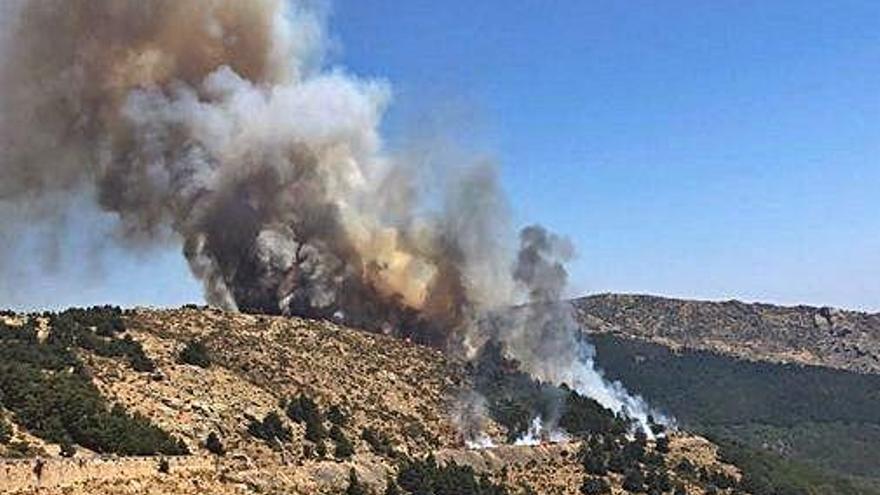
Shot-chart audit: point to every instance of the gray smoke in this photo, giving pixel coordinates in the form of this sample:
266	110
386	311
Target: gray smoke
214	124
543	335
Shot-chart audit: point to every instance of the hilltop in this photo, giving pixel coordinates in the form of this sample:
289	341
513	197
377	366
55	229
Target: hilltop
823	336
793	392
214	402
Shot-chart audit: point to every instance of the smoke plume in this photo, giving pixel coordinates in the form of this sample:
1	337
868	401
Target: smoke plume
217	125
544	337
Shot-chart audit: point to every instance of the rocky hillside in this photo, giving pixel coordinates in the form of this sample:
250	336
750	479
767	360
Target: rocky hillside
829	337
792	393
239	404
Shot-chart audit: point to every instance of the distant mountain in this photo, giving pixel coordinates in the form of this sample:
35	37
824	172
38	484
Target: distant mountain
835	338
800	384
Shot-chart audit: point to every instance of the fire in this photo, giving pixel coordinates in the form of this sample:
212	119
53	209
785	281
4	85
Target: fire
215	124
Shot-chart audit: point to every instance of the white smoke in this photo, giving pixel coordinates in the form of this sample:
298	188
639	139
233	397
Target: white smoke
480	441
218	126
471	418
538	434
544	337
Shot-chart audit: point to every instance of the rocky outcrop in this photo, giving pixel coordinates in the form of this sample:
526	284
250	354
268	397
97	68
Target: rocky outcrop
829	337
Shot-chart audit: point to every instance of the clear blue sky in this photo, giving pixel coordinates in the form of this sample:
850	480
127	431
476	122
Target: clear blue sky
703	149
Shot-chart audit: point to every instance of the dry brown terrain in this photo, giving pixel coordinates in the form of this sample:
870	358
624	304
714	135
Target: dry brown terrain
401	389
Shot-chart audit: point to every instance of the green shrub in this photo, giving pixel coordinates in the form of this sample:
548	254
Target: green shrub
315	431
617	463
20	449
662	444
5	430
634	480
195	353
271	429
214	445
391	487
343	449
337	416
379	443
336	433
46	387
67	448
595	486
596	465
354	485
302	408
96	330
320	449
658	481
427	477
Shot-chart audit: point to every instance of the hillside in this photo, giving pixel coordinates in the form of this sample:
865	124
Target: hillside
776	381
834	338
202	401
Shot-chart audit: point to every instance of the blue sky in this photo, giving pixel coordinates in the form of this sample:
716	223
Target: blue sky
700	149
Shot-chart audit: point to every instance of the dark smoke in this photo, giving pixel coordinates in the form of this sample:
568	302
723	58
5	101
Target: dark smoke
207	121
215	124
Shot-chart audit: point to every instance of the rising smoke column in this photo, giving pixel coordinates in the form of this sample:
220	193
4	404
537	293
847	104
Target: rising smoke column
544	336
215	123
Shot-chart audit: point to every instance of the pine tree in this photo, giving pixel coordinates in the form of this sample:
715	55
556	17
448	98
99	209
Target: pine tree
214	445
662	444
337	416
391	487
344	448
320	449
354	485
67	448
5	431
196	354
595	464
634	480
595	486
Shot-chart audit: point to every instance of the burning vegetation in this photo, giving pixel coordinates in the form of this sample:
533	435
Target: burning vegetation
219	126
310	395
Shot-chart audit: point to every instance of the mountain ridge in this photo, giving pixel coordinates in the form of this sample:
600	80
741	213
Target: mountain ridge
822	336
797	382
